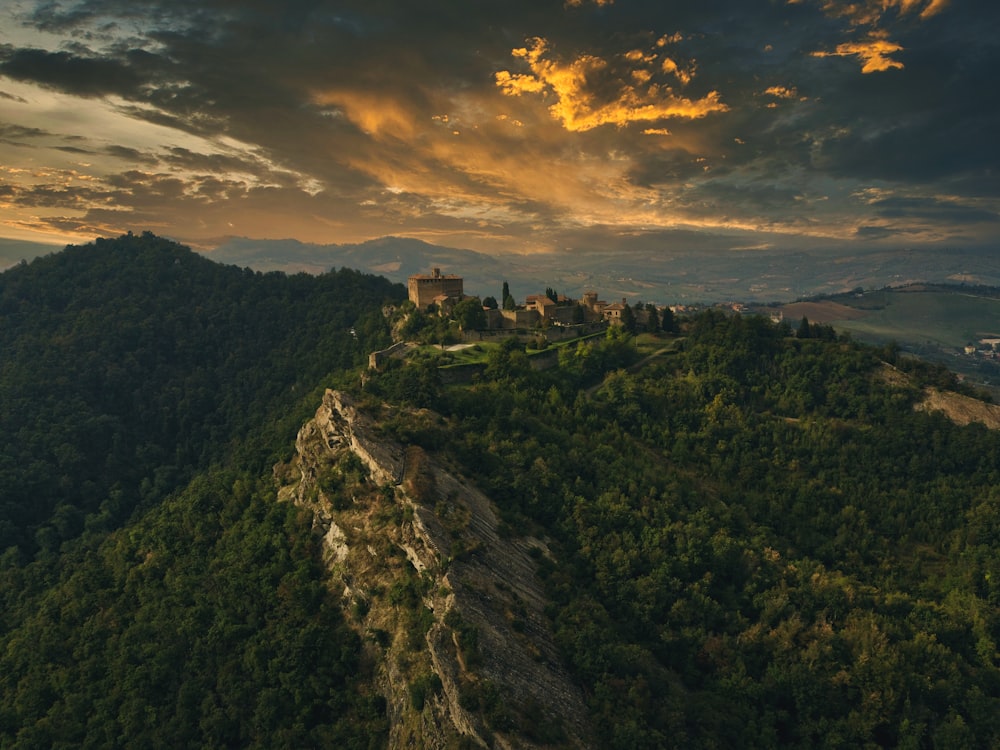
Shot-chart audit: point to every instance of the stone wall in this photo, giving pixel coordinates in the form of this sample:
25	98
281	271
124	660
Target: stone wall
377	359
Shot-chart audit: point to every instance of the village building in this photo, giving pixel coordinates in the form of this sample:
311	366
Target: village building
613	312
435	288
594	307
443	291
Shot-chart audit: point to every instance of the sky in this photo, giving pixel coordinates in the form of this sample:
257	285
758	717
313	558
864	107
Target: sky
504	127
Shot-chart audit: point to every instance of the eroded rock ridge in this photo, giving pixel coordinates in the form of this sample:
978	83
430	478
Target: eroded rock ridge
452	611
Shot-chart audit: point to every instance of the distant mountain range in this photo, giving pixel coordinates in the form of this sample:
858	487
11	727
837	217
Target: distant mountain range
683	270
668	276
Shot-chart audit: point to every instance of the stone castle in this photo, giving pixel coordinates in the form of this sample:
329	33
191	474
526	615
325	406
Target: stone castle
434	289
444	290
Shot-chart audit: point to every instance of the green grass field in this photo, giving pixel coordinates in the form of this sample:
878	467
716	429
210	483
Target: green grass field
948	320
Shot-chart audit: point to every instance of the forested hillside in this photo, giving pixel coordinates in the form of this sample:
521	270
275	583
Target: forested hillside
131	363
152	593
756	540
760	542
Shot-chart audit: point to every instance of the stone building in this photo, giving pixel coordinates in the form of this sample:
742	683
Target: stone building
428	289
613	312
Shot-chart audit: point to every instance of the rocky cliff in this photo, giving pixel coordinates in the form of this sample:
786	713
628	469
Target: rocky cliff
451	609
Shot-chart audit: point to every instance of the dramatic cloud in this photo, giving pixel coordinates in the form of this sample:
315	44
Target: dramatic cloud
589	91
508	127
872	12
875	53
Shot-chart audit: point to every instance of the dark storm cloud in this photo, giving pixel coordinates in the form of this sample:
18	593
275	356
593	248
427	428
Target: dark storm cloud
876	232
83	76
131	155
934	118
925	208
17	134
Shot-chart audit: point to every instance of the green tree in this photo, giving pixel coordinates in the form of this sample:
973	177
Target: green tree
667	321
628	320
803	331
469	314
652	319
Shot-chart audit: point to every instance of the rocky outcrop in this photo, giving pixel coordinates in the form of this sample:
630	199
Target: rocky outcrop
960	409
453	609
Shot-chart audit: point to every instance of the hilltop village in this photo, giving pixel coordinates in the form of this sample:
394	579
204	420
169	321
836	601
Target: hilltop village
443	293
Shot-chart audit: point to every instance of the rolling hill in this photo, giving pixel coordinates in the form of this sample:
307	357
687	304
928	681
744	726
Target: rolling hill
220	529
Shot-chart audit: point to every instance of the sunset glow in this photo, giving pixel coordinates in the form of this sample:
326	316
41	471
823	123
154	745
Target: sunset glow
505	128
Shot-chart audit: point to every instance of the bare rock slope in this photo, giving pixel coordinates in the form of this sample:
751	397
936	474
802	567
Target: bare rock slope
452	612
961	409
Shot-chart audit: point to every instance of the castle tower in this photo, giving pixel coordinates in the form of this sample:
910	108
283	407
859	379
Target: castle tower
427	289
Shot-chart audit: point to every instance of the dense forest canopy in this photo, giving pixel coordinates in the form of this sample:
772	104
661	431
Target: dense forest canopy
757	541
761	543
129	364
152	593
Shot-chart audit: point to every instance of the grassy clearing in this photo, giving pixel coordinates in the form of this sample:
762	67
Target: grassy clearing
479	352
649	343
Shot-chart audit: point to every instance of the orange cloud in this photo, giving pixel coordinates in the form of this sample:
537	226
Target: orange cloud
781	92
871	12
875	54
637	55
378	116
590	92
933	8
670	66
674	38
876	51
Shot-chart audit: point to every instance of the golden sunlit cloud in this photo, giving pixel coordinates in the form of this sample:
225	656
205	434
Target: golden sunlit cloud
375	115
512	120
875	54
656	131
575	85
642	76
870	12
876	50
674	38
637	55
670	66
933	8
782	92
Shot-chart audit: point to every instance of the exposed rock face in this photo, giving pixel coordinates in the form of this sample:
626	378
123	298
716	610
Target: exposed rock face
471	658
960	409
